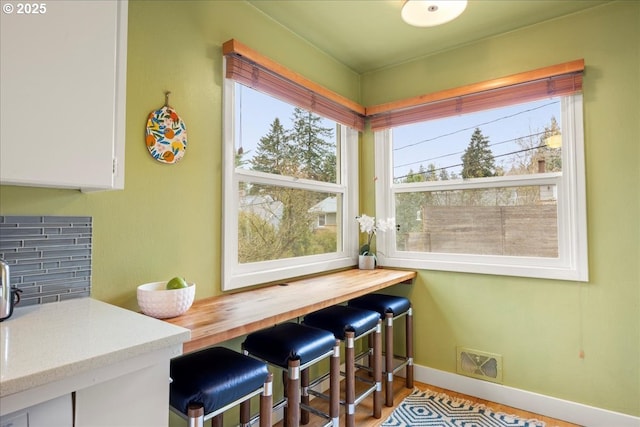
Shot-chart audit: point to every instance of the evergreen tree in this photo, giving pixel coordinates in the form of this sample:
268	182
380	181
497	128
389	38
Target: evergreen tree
240	160
430	173
415	176
443	175
242	163
478	160
274	153
313	146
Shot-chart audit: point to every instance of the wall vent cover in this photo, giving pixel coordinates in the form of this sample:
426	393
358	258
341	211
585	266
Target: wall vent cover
479	364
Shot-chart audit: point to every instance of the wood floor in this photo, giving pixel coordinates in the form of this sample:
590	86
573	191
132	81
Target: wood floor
364	418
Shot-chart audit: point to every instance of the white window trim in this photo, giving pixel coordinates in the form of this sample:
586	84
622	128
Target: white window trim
236	275
572	261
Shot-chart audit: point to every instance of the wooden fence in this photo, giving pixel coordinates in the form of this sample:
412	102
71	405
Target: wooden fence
494	230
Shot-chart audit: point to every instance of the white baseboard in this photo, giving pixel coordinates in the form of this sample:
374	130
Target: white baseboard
573	412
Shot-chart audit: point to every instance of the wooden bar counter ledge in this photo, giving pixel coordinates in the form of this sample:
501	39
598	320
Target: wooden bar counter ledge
220	318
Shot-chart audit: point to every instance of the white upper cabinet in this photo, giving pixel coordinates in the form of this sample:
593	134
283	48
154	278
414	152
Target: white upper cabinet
62	90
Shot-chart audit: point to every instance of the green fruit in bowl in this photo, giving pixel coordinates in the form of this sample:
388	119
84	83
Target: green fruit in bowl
177	283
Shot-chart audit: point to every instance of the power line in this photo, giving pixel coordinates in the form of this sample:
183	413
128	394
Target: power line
474	126
462	152
462	164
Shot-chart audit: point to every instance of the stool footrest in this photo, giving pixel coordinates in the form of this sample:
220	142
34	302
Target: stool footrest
217	411
365	380
365	394
398	367
318	380
319	394
315	411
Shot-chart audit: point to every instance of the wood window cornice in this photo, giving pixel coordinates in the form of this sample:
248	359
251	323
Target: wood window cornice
553	80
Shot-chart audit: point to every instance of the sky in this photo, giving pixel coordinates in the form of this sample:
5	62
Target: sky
258	113
443	141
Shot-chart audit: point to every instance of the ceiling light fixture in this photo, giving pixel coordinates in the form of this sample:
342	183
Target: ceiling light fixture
429	13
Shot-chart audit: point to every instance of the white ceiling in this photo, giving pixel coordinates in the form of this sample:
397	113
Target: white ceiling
367	35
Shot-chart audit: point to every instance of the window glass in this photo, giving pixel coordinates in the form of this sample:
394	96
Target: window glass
499	191
275	137
517	140
287	174
513	221
506	141
279	222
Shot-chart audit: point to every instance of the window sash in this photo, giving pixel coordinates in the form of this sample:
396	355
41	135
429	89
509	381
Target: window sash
236	275
572	261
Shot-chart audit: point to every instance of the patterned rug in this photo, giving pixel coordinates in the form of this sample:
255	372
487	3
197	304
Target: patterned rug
431	409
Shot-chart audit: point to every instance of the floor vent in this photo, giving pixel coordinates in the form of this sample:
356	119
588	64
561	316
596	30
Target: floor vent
478	364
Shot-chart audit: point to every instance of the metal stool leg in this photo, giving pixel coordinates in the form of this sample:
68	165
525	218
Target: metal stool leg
266	402
409	332
285	395
350	381
377	371
293	394
245	414
304	397
388	357
370	343
195	414
334	385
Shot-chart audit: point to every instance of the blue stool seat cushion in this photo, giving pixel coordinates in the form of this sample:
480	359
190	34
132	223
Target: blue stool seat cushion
382	304
214	377
289	341
340	319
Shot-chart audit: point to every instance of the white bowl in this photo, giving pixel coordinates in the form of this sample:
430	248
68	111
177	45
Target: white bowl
157	301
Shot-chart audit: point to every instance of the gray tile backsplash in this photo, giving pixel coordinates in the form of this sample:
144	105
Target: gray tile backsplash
49	257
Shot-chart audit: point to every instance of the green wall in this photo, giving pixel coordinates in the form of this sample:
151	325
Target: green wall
167	220
540	326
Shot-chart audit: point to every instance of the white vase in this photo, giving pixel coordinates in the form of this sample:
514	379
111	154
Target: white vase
366	262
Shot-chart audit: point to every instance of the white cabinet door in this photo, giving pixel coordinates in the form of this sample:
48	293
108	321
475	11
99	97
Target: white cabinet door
62	94
139	399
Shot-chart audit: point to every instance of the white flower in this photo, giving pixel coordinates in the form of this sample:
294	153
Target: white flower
386	225
368	225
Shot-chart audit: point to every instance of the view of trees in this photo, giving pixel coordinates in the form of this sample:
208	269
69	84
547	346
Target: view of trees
532	156
277	222
306	151
478	160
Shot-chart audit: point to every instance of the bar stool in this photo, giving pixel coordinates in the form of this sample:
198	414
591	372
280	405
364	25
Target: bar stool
391	307
293	348
349	324
208	382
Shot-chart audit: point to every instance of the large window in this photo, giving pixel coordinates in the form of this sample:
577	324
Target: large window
289	180
497	190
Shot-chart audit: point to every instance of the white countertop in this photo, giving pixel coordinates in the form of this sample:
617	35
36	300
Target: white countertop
49	342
